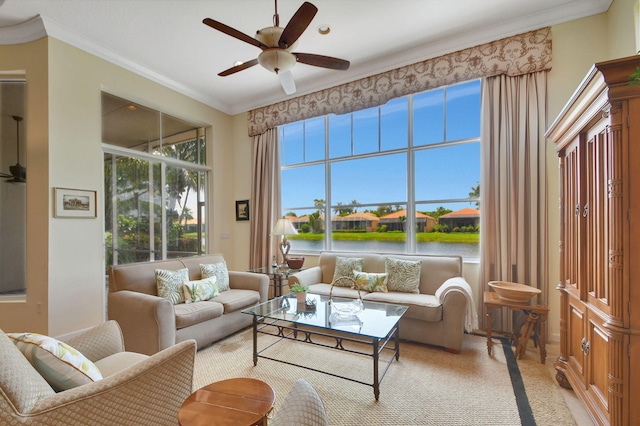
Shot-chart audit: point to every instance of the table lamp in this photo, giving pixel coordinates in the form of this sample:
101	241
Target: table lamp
284	227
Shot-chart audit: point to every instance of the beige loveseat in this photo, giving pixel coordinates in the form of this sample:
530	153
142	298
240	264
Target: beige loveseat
438	315
151	323
135	390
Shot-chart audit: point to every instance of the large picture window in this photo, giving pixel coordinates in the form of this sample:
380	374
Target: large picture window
155	184
402	177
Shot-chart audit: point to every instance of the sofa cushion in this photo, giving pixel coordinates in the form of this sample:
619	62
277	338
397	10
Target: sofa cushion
236	299
199	290
118	362
62	366
345	267
403	275
371	281
218	270
193	313
170	282
425	307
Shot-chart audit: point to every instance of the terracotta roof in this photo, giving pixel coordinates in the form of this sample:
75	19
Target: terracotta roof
466	212
357	216
402	212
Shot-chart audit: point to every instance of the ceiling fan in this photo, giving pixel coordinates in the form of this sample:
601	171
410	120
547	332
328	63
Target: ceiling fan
18	172
277	46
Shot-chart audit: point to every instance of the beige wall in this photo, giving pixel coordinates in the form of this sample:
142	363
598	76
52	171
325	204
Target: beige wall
66	256
32	312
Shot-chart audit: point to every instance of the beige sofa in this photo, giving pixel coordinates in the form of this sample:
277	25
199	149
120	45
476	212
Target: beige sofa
135	390
151	323
438	315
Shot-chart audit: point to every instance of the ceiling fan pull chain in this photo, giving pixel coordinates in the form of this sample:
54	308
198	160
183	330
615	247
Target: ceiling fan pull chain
276	17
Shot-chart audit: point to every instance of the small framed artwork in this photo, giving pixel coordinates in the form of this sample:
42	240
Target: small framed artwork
75	203
242	210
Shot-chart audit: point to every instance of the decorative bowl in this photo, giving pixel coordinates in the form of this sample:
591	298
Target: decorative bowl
295	262
514	292
347	308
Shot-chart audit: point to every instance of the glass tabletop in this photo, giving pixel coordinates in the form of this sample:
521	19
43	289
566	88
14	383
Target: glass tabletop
271	270
375	320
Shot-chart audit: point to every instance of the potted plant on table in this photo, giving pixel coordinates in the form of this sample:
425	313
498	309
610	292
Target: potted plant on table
300	291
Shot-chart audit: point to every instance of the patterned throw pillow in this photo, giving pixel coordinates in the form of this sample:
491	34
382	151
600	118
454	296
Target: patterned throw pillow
370	281
345	267
218	270
62	366
169	284
196	291
404	275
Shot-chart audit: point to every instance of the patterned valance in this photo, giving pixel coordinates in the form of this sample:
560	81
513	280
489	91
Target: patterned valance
516	55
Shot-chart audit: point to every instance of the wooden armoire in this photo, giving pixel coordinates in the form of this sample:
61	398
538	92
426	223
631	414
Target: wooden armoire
597	138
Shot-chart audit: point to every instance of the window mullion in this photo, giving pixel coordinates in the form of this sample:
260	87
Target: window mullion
411	207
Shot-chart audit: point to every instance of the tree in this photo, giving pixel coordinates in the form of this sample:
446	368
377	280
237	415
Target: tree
438	212
292	214
475	193
383	211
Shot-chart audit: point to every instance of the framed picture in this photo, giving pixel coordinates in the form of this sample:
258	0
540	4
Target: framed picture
242	210
76	203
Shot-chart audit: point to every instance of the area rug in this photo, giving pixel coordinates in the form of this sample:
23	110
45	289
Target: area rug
426	386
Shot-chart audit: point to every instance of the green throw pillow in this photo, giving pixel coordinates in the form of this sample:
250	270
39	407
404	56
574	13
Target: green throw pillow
345	267
62	366
403	275
218	270
371	281
169	284
196	291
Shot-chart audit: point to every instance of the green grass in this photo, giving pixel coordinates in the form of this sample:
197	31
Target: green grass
422	237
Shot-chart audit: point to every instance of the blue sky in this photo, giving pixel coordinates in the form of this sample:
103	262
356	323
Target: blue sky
441	171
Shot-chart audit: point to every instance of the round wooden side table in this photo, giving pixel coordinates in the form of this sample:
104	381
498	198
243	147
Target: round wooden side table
231	402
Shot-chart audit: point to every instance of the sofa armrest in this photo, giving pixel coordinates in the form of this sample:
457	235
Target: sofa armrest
136	395
250	281
99	342
148	322
309	276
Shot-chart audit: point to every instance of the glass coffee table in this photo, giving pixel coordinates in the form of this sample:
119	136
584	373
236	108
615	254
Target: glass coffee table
316	322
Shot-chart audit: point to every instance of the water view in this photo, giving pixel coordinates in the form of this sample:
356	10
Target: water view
469	251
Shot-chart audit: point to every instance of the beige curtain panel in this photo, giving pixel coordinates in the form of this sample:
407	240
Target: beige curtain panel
513	222
516	55
265	197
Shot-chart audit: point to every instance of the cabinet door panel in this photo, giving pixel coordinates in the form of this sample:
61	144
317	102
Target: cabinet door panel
576	330
598	359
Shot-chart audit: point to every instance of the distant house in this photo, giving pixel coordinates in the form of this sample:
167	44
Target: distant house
366	221
394	221
464	217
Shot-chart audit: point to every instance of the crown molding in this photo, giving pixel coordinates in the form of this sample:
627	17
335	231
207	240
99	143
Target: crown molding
24	32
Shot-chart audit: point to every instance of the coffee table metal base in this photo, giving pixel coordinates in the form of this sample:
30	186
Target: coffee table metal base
285	330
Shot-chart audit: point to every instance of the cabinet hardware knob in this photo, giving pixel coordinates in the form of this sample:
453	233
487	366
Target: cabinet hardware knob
585	346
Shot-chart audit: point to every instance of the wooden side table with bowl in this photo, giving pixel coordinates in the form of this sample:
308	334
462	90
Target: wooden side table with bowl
232	402
517	297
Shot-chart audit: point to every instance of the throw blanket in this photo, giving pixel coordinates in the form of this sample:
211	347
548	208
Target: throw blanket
460	284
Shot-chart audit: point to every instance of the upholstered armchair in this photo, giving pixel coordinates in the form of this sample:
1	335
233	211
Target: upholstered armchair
136	389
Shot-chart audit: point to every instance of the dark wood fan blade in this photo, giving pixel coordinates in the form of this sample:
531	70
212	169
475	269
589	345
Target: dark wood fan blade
322	61
233	32
242	66
298	23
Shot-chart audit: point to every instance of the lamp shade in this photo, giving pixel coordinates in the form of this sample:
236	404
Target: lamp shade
284	227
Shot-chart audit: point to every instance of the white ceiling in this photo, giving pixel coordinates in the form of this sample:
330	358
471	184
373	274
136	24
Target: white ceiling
166	41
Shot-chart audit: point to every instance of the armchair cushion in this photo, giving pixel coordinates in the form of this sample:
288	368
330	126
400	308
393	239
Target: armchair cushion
302	406
62	366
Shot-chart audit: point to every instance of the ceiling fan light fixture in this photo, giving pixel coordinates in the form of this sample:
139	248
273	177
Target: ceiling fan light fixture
277	60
